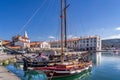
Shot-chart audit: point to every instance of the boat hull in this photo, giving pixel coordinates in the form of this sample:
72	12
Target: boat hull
53	72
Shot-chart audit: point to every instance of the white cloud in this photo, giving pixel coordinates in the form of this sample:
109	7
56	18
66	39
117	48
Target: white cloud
118	28
117	36
71	36
51	37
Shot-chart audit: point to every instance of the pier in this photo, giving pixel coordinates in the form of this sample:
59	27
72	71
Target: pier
7	75
4	73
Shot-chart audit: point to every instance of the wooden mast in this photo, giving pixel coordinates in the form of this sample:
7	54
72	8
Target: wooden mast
65	22
65	27
62	34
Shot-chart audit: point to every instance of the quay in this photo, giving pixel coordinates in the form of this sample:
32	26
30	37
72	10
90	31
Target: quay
4	73
7	75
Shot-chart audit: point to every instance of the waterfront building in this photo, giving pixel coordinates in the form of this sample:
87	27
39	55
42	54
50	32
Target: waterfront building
45	45
81	43
1	47
35	44
22	41
39	45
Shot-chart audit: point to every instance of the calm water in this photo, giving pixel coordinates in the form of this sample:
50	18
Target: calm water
106	66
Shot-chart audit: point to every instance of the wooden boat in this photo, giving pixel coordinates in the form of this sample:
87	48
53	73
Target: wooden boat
65	69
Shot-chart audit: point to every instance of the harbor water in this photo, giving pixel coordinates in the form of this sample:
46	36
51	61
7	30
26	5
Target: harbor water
106	66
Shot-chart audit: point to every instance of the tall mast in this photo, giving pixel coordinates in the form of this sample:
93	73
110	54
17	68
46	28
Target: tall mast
65	27
65	20
62	34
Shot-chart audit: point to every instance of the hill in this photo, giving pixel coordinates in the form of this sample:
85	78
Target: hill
110	43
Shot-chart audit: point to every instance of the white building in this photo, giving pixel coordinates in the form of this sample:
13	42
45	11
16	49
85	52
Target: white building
39	45
1	47
82	43
22	41
91	43
44	45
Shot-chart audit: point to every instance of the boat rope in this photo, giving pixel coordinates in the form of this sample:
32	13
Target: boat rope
53	71
46	11
52	74
29	20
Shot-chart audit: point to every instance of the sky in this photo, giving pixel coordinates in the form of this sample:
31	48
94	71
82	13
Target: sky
41	18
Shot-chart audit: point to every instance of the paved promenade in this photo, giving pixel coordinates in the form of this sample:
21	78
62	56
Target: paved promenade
4	73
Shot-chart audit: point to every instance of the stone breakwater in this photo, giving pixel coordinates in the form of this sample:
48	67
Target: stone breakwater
4	73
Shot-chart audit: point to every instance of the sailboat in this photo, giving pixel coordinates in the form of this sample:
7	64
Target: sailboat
64	67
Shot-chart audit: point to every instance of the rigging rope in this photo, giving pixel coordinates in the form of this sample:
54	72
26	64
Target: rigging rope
50	4
31	17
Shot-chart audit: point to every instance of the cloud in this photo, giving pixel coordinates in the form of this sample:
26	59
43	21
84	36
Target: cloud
118	28
51	37
71	36
117	36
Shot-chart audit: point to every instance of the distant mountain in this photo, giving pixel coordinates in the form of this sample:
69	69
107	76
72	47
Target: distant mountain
111	43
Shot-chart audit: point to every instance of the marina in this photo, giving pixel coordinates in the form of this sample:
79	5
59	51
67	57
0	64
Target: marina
103	64
68	40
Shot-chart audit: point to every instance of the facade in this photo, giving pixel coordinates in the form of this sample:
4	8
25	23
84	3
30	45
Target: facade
39	45
45	45
22	41
90	43
81	44
1	47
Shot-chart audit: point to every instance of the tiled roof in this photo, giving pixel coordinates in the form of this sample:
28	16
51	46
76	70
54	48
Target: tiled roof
35	43
74	39
5	42
14	47
23	41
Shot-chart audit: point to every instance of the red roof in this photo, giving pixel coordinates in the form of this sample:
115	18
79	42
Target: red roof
74	39
35	43
14	47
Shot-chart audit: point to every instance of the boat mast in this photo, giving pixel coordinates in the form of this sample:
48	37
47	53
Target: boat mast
62	34
65	28
65	21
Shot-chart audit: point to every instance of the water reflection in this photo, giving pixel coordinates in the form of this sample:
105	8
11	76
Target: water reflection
34	75
96	58
26	75
82	76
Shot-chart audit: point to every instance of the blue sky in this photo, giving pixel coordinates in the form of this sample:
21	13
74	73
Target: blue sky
40	18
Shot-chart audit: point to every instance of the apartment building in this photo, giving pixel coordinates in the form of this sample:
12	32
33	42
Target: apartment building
81	43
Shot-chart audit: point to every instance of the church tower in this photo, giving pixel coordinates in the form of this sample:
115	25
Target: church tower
25	35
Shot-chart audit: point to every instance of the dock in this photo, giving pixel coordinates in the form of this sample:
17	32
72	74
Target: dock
4	73
7	75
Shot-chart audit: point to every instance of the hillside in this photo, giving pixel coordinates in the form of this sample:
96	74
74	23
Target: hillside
111	43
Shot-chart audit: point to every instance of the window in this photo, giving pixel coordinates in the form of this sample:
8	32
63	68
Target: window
87	44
